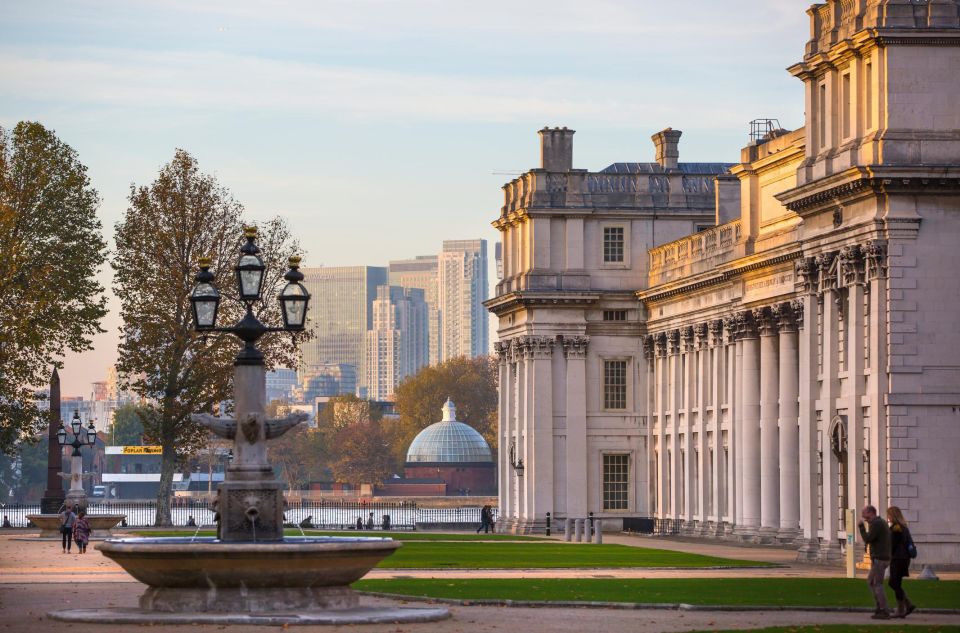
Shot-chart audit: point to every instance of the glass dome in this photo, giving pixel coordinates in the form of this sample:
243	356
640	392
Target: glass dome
448	441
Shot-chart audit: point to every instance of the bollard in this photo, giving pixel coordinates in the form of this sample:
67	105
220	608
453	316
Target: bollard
548	524
598	532
927	574
567	529
587	531
578	529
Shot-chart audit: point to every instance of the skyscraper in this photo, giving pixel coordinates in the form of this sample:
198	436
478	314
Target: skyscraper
397	344
462	277
340	315
421	272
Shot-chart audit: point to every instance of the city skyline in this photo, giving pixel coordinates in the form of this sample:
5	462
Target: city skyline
316	112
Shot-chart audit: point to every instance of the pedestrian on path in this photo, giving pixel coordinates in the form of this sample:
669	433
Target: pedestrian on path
67	519
81	532
902	550
875	533
486	519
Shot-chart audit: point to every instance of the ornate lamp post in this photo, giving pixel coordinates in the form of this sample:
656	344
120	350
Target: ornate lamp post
82	436
250	501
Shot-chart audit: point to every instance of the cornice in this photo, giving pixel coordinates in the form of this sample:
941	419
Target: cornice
859	181
525	299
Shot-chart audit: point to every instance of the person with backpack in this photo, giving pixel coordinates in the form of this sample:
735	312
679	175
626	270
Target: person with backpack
67	520
902	549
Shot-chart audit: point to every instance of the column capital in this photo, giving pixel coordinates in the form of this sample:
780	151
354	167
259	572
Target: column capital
765	321
826	265
686	335
673	336
850	265
700	330
785	315
648	347
746	325
806	273
660	341
716	332
575	346
798	312
875	254
730	325
539	347
502	350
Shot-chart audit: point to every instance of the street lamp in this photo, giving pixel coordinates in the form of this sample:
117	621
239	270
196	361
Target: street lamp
77	496
205	299
517	464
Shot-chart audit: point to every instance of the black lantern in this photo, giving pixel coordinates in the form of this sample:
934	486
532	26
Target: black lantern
205	299
62	435
91	434
75	423
250	267
294	297
517	464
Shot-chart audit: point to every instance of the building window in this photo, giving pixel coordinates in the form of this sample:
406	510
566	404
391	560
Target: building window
614	315
613	244
868	95
823	115
847	106
616	482
615	384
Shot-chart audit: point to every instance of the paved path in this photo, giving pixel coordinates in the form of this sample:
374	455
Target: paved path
35	578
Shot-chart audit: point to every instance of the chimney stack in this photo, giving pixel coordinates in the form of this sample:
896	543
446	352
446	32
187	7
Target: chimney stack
666	143
556	149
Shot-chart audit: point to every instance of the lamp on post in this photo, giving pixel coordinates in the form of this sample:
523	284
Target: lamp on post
82	436
517	464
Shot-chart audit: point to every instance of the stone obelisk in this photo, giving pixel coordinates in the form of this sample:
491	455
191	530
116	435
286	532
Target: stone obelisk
53	497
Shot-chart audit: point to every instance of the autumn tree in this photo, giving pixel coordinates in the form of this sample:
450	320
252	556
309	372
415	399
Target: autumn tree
300	455
182	216
470	382
50	299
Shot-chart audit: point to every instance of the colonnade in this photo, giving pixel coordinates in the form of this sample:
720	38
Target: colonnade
767	421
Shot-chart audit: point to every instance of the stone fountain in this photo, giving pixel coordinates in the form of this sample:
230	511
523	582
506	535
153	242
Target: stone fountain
250	573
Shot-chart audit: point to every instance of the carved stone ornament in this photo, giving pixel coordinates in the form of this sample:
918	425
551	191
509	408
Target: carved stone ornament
700	330
785	316
875	255
746	325
540	346
797	306
502	350
648	347
826	265
730	325
661	344
716	332
674	338
575	346
686	335
806	271
765	320
850	265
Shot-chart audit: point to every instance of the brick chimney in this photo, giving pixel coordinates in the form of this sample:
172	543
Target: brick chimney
666	143
556	149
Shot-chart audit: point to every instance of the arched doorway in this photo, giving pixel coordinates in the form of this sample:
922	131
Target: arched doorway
838	447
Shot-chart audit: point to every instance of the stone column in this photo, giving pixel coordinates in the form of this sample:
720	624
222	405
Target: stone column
703	491
504	433
750	432
829	391
875	252
769	433
735	407
806	271
716	396
539	468
851	270
521	430
686	426
675	462
789	430
575	349
661	362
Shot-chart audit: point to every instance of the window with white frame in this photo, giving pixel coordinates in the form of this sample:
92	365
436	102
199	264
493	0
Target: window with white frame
616	482
614	384
613	244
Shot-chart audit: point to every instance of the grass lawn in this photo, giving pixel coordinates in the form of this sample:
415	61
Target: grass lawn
543	555
841	592
855	628
399	536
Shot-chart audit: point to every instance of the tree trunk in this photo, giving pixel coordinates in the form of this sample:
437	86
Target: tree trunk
168	464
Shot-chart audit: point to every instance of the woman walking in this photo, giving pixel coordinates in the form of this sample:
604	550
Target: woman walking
81	532
902	550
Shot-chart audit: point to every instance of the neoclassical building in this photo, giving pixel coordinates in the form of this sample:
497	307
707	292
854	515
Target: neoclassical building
751	348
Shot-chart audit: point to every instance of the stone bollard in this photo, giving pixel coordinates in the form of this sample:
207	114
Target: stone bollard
598	531
587	531
578	529
927	574
567	529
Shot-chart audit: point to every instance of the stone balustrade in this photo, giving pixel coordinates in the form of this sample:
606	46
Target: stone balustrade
681	257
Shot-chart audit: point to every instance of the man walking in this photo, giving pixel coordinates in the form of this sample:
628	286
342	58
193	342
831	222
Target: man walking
875	533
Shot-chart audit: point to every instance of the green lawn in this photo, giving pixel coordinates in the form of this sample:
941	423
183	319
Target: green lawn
895	626
543	555
841	592
399	536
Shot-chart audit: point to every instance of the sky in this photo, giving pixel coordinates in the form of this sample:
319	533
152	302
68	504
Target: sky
379	128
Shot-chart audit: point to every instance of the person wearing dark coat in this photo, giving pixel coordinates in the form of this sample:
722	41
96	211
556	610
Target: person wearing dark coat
900	541
876	533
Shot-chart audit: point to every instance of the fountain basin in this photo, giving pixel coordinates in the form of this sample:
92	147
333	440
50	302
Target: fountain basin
206	575
100	524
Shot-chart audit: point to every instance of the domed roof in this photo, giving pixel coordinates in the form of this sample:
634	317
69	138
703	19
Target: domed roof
449	441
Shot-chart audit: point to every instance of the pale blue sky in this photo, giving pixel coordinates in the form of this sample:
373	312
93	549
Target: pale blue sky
375	127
